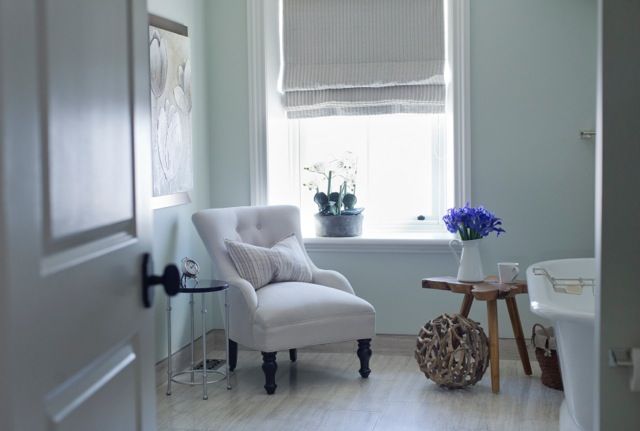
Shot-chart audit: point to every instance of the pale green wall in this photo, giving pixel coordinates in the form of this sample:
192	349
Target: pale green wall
533	81
228	102
174	236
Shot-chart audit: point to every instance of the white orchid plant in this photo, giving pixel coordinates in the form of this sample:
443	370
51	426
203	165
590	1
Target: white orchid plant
343	171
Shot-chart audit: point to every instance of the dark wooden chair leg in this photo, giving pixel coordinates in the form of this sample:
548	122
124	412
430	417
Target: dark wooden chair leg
293	355
233	355
269	366
364	353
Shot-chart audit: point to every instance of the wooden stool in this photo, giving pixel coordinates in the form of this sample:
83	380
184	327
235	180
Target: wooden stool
490	291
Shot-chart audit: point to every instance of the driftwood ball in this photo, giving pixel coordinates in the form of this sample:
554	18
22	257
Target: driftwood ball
453	351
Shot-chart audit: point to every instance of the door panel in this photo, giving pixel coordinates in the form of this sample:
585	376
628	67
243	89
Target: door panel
95	389
113	407
87	101
75	168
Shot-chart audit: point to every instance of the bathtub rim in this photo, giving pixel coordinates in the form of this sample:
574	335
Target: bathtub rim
552	311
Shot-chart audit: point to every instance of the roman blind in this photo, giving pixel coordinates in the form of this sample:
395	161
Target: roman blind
362	57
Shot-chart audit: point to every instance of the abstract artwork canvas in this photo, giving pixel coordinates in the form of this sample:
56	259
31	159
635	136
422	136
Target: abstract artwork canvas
171	130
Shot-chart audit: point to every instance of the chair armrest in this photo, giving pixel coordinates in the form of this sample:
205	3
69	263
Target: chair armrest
333	279
247	291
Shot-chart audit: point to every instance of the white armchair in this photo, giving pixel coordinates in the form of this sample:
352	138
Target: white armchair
288	315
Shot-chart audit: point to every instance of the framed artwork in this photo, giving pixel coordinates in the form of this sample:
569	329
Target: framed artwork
171	129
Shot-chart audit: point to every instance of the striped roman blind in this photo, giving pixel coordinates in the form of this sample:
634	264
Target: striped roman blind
362	57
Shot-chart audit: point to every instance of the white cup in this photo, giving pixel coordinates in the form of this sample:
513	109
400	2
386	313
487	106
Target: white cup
508	271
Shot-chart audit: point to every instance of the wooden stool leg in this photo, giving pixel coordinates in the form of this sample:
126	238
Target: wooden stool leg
514	315
465	308
494	351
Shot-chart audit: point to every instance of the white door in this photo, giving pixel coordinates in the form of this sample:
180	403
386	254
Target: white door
618	210
74	217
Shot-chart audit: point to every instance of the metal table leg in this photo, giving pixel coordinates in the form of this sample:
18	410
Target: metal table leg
226	336
192	337
204	348
169	365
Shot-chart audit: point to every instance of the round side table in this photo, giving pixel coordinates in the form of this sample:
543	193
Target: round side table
202	287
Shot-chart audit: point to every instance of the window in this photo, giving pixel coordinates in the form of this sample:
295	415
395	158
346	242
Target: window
410	166
400	161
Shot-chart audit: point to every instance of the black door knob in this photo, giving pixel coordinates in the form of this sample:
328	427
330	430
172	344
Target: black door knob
170	280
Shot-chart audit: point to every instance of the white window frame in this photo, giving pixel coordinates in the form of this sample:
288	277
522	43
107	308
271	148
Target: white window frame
262	16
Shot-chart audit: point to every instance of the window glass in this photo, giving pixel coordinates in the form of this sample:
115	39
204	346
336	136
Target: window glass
400	167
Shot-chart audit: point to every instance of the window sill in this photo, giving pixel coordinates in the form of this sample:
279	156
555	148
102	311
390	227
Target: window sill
402	243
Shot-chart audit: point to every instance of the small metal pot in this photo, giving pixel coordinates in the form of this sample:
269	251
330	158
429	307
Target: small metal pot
338	225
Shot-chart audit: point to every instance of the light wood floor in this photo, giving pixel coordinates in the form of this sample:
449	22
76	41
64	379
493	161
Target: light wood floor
383	344
323	391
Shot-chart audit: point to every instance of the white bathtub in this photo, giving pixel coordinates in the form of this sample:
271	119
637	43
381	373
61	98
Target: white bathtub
572	317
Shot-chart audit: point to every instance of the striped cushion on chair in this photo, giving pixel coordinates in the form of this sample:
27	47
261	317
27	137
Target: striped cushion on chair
285	261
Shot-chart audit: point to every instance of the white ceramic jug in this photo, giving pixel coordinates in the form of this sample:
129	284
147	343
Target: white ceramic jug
470	265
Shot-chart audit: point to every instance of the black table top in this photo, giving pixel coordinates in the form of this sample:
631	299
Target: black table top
204	286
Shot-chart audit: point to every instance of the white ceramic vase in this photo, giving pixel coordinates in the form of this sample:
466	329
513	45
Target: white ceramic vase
470	265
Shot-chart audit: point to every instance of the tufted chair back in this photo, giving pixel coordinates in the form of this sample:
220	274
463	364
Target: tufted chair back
261	225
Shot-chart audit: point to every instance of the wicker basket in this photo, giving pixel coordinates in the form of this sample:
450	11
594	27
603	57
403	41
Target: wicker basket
544	341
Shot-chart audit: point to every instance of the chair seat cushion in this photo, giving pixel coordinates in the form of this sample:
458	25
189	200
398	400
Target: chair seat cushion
296	314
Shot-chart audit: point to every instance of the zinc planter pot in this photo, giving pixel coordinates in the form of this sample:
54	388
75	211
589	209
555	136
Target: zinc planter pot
470	264
338	225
